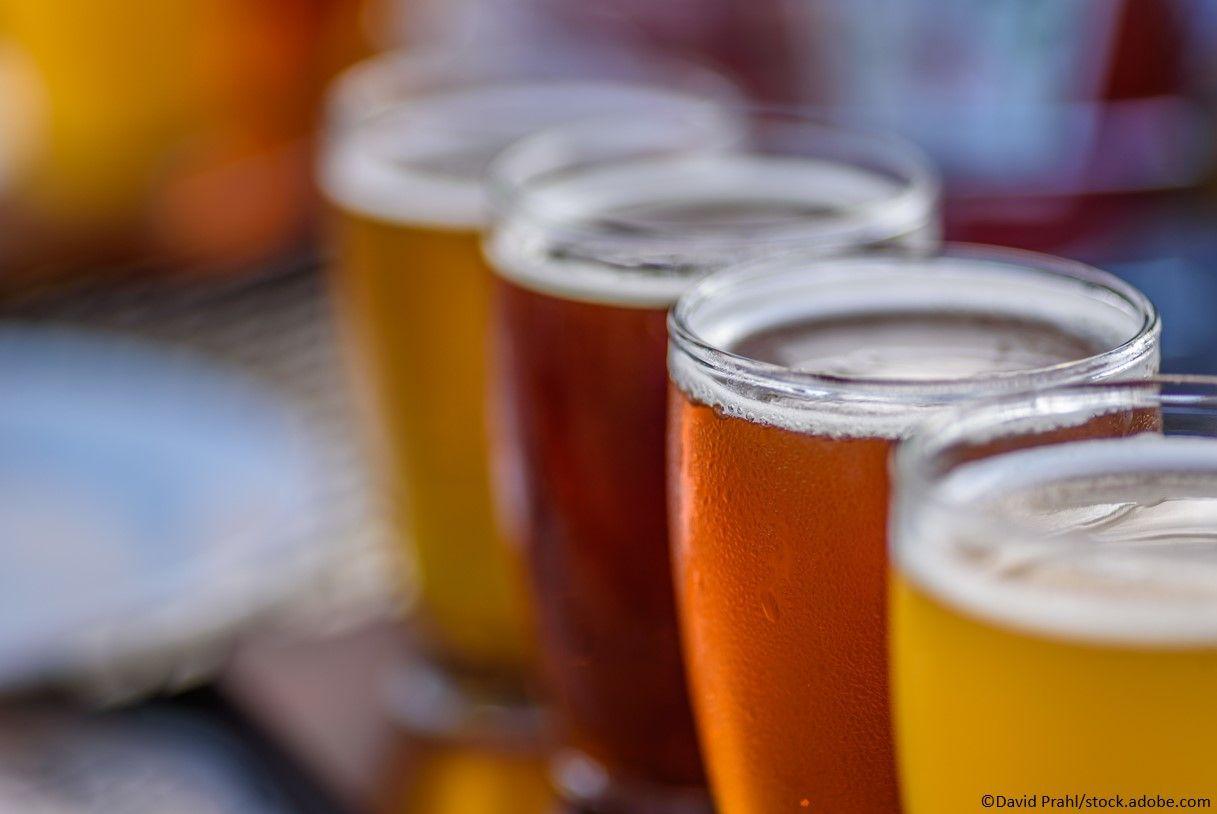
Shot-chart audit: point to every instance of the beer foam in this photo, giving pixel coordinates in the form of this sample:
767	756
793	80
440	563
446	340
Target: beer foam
1108	541
637	233
423	161
355	177
989	362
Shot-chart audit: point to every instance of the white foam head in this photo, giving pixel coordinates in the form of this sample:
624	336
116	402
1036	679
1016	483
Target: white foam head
639	233
841	399
422	161
631	212
1108	541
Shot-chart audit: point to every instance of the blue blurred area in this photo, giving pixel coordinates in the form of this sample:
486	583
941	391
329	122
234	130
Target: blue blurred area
1173	259
157	498
1185	291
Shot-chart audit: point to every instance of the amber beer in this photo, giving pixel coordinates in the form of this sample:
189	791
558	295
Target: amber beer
590	254
792	381
1054	618
405	184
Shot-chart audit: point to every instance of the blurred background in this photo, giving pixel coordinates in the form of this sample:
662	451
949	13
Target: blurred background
194	612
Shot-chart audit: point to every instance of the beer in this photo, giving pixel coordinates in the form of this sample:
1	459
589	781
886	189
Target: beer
1058	633
581	421
606	613
792	381
405	182
414	295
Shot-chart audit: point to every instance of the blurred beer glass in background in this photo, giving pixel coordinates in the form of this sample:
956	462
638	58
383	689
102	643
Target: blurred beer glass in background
792	380
446	777
402	168
598	228
173	132
1054	617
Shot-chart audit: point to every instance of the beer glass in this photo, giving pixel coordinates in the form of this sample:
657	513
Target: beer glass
405	183
599	227
792	379
1054	598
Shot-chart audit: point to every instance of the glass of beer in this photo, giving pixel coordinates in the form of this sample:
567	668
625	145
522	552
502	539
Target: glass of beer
599	227
1054	599
792	380
405	184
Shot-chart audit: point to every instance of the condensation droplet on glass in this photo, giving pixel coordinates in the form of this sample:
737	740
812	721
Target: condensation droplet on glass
769	606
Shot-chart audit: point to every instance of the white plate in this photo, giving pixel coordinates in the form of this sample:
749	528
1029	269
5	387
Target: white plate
148	500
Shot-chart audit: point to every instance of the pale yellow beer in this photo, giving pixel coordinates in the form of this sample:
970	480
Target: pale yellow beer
1058	634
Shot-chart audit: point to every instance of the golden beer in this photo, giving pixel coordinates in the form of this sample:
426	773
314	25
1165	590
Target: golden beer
415	299
405	183
1054	614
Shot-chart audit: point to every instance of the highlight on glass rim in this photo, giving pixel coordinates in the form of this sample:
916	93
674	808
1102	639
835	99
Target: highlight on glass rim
533	406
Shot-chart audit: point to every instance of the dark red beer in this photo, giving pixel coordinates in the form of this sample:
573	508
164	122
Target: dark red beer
586	386
599	229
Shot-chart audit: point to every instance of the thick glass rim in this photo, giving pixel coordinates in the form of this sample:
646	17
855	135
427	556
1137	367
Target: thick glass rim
570	149
453	121
920	460
435	120
956	547
730	282
389	80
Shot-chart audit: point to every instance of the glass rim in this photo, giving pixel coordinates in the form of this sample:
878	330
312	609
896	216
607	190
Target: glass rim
915	464
434	120
403	76
511	183
954	545
403	114
816	386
